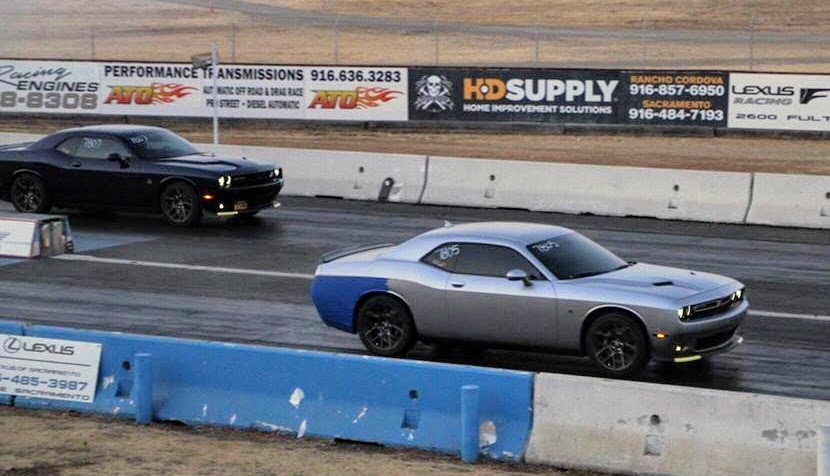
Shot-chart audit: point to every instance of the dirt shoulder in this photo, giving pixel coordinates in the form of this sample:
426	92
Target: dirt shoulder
39	443
731	154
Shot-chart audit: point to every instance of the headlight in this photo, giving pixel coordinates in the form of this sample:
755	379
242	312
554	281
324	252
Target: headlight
224	181
739	293
277	173
684	312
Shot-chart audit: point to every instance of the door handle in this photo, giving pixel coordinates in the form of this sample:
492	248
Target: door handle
76	164
457	284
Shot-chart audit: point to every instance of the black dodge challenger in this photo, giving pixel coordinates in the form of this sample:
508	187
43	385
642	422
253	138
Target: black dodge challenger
138	168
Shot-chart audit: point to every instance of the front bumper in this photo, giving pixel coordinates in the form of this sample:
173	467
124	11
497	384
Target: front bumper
236	201
695	340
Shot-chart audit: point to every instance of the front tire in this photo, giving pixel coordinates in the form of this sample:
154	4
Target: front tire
385	326
617	345
28	194
180	205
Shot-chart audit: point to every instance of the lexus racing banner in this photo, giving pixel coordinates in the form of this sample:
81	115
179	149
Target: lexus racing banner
177	89
779	101
568	96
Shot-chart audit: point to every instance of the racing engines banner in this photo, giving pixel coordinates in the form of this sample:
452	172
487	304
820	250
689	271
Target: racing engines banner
177	89
569	96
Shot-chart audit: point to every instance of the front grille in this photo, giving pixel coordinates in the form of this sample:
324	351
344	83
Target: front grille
252	180
714	340
713	307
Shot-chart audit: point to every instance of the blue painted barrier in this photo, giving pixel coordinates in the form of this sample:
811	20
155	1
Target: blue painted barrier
9	328
470	423
389	401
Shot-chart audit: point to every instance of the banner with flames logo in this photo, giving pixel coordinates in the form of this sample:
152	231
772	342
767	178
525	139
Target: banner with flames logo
179	90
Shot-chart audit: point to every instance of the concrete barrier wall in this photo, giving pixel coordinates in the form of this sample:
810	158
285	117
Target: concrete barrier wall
14	329
720	197
333	173
389	401
600	190
791	200
16	138
619	426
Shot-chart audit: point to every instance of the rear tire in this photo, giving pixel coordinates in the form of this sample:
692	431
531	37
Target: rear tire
385	326
617	345
180	205
28	194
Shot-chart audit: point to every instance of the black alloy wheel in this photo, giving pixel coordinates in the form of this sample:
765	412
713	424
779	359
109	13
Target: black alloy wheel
617	345
29	195
180	205
385	326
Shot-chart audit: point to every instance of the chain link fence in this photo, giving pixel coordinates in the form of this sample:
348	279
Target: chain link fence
757	46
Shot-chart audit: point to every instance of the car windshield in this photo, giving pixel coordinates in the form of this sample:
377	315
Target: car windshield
572	256
155	144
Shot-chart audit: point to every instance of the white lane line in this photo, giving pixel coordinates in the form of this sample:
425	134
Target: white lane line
189	267
281	274
786	315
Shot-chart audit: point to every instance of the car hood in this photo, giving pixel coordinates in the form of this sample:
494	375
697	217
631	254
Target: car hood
219	165
673	283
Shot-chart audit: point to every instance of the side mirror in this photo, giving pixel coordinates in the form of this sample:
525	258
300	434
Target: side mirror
116	157
519	275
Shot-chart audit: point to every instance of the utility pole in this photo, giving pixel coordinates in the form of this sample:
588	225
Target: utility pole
214	59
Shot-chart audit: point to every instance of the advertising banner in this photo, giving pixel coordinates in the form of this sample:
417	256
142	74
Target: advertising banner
525	95
49	87
569	96
668	98
779	101
49	368
177	89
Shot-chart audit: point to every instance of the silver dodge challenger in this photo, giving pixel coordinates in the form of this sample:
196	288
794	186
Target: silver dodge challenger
531	287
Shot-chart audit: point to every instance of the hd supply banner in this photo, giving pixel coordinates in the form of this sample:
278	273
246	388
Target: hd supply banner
176	89
798	102
568	96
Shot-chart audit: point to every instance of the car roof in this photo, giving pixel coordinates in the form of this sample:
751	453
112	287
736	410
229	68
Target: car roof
517	232
116	129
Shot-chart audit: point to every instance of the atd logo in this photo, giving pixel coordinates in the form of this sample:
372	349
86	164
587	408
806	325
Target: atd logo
358	98
156	93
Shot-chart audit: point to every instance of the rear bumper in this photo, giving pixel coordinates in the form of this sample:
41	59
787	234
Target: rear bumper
697	340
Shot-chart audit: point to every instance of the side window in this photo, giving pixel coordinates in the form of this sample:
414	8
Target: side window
69	146
490	260
444	256
100	148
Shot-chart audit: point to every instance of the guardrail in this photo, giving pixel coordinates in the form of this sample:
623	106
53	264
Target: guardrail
577	422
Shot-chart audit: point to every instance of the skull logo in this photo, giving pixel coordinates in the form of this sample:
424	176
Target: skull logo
434	93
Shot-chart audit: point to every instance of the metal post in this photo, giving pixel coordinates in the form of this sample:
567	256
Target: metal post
643	44
469	423
92	43
435	39
337	40
143	386
214	60
536	41
823	450
233	42
752	43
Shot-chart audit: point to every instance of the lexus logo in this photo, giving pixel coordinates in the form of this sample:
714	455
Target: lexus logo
808	94
11	345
